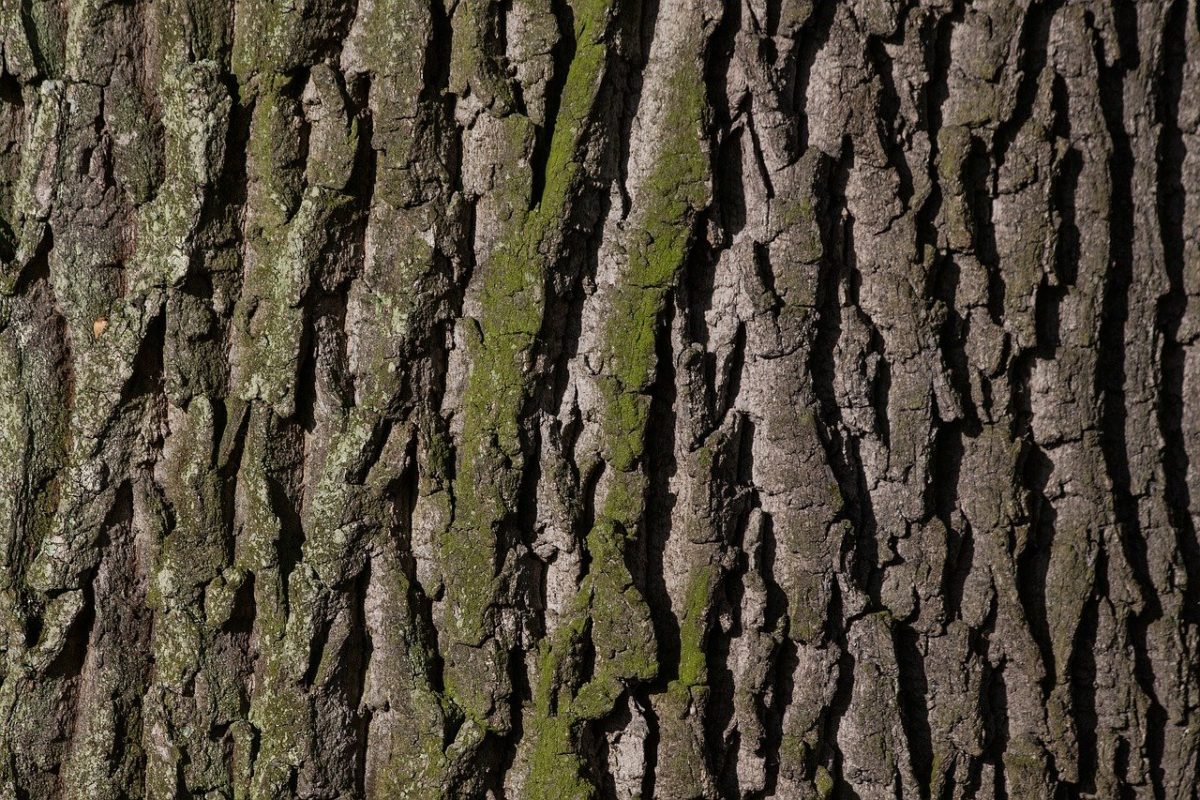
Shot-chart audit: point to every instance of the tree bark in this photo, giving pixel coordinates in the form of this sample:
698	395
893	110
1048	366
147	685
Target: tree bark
599	398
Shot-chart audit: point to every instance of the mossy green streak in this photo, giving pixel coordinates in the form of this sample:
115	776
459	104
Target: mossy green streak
513	303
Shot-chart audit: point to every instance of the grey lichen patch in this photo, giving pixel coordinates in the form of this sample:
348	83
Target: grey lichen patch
45	31
271	39
37	178
476	69
103	365
196	118
291	228
392	404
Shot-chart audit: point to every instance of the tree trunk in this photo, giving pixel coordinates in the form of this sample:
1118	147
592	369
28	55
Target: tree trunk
599	398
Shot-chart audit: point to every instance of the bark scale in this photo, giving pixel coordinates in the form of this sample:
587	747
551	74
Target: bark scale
599	398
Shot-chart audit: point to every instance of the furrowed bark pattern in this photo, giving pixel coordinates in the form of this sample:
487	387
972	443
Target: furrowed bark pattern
599	398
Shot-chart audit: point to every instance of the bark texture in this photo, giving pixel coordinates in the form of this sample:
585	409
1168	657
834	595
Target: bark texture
599	398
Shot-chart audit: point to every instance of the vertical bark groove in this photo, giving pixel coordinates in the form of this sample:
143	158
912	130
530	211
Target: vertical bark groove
599	399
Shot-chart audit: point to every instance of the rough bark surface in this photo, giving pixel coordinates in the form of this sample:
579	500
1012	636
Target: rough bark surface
599	398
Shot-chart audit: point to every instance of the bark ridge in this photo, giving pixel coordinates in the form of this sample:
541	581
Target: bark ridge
599	399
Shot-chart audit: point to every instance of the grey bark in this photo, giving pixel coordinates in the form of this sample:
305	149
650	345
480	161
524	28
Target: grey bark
599	398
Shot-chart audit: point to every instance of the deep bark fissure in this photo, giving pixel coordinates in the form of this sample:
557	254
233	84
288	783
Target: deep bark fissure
599	399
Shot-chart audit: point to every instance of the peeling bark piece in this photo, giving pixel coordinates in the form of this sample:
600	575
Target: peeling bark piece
585	399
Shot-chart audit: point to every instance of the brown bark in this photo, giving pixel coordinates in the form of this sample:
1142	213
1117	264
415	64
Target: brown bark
599	398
